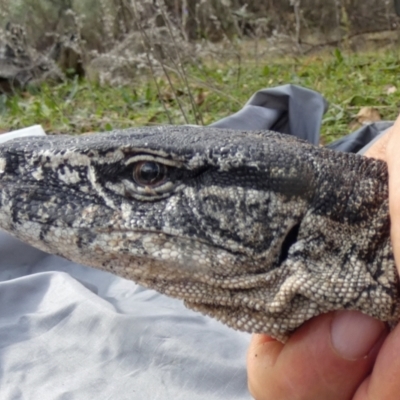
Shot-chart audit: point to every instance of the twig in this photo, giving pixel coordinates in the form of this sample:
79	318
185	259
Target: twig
181	70
143	36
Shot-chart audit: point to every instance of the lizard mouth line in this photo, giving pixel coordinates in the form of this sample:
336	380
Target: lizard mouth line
179	237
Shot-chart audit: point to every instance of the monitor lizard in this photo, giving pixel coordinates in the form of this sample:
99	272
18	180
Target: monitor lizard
259	230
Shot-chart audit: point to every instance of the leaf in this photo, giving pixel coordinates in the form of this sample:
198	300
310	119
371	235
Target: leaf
74	90
358	100
3	104
338	55
201	96
44	110
366	115
304	74
391	89
393	67
266	70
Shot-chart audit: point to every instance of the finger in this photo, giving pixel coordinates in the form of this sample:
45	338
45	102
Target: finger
384	382
393	160
327	358
378	149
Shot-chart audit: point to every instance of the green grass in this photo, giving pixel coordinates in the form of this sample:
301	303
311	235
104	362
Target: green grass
348	82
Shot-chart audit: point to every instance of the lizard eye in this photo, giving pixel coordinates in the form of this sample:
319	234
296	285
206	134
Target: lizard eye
149	173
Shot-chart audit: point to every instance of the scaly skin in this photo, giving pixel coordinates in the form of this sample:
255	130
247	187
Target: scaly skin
259	230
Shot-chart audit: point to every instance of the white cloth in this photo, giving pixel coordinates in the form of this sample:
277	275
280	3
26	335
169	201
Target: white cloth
86	334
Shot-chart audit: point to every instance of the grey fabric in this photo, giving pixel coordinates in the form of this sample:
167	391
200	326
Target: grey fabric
362	139
69	332
289	109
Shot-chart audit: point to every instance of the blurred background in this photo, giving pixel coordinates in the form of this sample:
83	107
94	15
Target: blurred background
87	65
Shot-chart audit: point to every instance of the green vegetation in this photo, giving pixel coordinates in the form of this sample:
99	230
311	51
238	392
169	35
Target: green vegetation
210	91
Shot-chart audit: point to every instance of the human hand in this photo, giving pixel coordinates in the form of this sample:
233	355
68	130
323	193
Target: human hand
341	355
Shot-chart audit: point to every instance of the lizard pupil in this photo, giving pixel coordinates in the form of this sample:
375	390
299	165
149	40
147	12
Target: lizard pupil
149	173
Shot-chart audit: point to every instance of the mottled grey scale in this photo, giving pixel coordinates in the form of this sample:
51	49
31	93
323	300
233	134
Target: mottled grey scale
259	230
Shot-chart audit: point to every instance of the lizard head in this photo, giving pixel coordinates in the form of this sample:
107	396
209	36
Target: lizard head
205	215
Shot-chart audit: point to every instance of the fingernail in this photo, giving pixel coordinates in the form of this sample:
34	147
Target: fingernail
354	334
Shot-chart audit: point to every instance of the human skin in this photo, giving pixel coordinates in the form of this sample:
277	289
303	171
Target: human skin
341	355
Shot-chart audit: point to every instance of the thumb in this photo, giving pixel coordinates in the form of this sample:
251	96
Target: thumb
327	358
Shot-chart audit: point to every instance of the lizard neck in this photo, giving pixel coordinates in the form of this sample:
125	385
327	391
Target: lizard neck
346	231
353	198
